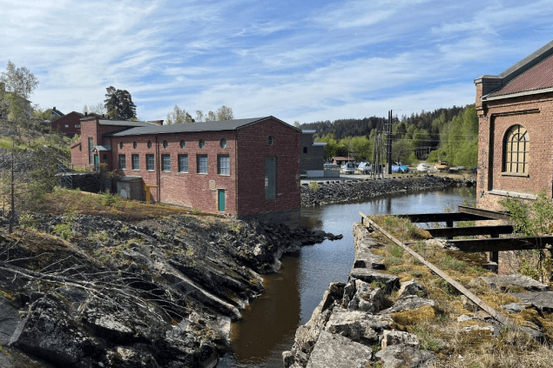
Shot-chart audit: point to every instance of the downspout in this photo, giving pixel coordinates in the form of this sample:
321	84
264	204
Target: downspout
158	171
236	189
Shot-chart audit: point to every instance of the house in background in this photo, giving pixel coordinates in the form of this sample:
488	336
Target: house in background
515	109
69	124
239	167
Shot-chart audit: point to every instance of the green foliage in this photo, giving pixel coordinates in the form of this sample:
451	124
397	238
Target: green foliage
531	218
63	231
28	220
314	186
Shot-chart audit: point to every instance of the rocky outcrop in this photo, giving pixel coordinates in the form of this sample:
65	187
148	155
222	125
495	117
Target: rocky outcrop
356	317
347	191
88	291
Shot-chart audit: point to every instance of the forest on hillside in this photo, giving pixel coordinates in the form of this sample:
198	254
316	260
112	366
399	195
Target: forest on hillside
449	134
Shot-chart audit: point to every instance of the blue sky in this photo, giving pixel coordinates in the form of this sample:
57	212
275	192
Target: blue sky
298	60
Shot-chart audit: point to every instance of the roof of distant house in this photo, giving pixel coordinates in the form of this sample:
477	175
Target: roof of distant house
207	126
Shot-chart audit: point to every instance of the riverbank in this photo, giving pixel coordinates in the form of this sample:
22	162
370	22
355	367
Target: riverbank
85	290
393	312
360	188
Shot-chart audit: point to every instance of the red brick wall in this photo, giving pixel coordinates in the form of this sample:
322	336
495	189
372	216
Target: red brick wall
252	150
72	120
535	113
244	187
198	191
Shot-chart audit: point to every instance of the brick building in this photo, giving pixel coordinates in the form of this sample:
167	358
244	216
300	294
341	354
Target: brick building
515	150
69	124
239	167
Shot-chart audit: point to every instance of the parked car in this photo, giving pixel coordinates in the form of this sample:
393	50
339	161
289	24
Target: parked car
348	168
398	168
331	166
364	168
423	167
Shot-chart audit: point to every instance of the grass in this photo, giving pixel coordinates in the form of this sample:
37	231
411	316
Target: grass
67	202
437	326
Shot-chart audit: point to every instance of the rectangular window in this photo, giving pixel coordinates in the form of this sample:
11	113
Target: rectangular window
223	165
201	162
77	126
166	162
90	149
183	163
150	162
122	162
135	161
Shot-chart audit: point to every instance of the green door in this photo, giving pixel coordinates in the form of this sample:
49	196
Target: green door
221	200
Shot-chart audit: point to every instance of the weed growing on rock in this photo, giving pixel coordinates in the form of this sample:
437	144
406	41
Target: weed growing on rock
314	186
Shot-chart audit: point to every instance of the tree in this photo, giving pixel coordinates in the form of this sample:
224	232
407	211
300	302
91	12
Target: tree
98	109
224	113
179	116
16	85
119	104
19	81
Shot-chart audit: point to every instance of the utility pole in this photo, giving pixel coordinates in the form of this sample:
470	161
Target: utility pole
389	144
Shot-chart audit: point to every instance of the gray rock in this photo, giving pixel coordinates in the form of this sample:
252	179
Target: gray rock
9	320
366	298
387	281
411	302
393	337
516	280
412	288
542	301
404	356
335	351
358	326
514	308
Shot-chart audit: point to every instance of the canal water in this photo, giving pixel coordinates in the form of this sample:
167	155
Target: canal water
270	322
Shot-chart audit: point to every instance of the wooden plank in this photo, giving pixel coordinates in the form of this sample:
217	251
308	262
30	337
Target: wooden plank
485	213
479	302
500	244
446	232
442	217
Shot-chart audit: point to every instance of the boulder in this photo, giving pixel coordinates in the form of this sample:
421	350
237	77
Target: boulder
542	301
515	280
411	302
386	281
366	298
335	351
358	326
404	356
393	337
412	288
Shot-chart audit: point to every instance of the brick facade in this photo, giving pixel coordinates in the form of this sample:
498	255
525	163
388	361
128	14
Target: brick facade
242	149
498	111
69	124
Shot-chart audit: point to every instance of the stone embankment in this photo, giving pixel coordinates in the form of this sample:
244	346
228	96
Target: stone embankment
354	325
356	190
89	291
358	323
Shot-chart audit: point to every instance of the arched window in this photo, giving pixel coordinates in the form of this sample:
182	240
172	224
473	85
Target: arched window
516	147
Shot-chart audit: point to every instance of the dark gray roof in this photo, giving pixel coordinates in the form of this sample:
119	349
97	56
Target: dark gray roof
207	126
126	123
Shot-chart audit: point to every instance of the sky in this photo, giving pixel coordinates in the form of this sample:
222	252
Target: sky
300	60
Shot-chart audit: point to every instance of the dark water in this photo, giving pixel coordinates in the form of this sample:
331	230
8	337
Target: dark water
269	324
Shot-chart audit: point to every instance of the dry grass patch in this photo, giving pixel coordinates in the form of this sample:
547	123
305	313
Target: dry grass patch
437	327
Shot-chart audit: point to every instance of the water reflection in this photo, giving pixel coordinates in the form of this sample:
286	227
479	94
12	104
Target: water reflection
269	324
